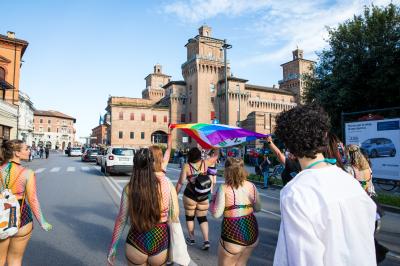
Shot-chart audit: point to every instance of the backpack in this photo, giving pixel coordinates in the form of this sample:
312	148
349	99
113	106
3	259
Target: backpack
202	183
10	214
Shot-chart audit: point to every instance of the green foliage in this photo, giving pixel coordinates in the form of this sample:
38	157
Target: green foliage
389	199
361	68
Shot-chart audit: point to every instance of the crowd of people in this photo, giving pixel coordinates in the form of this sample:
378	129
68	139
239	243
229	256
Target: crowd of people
328	215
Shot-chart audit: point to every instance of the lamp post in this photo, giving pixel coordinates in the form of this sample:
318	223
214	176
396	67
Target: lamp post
226	46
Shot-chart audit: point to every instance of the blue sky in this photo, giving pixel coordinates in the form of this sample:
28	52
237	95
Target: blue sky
81	51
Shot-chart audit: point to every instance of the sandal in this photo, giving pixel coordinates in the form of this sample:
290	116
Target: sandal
206	245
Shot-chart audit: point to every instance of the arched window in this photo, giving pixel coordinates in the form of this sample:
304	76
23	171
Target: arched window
2	73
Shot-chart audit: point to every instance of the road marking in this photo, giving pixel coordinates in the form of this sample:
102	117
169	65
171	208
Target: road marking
39	170
393	255
122	181
96	167
177	170
55	169
71	169
267	196
112	186
273	213
85	168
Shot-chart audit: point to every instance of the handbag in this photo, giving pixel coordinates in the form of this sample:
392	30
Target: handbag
178	252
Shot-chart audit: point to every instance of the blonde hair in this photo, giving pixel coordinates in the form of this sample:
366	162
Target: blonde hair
235	173
8	148
158	157
357	158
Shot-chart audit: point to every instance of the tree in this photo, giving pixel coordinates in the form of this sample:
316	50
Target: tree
361	68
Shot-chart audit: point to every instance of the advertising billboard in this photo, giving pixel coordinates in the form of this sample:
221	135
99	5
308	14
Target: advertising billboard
380	139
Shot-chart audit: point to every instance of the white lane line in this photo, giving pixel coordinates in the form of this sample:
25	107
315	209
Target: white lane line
122	181
55	169
173	169
116	184
85	168
393	255
97	167
273	213
267	196
112	186
39	170
70	169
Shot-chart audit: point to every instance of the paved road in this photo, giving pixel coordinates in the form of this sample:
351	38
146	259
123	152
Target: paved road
82	204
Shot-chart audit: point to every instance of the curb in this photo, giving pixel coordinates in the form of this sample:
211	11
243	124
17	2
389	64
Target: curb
389	208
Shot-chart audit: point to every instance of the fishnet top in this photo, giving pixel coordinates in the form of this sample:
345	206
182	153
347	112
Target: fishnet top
235	202
22	180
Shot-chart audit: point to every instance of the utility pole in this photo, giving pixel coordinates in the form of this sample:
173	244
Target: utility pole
226	46
238	121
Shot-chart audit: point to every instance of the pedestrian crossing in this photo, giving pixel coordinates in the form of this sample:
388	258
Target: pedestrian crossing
66	169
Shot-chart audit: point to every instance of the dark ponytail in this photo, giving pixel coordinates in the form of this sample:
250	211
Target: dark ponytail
8	148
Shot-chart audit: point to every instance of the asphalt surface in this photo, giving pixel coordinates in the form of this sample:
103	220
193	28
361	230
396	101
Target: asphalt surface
81	204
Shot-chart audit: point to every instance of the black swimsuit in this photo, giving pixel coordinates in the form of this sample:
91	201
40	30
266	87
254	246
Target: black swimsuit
190	191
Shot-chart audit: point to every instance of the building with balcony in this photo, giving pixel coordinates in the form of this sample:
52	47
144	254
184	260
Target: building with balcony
11	53
53	129
25	118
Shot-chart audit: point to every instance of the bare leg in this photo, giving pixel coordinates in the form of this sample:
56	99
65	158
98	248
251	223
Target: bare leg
18	245
229	255
190	206
201	211
4	244
245	255
134	256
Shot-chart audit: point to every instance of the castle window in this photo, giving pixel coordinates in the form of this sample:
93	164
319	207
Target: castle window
49	129
142	135
49	121
154	118
143	117
132	135
41	121
212	88
120	134
165	119
121	116
132	116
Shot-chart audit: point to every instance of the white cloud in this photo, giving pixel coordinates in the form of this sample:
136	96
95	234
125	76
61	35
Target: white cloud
282	24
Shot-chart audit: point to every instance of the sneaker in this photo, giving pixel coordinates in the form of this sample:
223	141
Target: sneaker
206	245
190	241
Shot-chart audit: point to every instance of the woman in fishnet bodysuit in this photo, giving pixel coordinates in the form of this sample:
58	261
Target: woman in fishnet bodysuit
236	200
22	182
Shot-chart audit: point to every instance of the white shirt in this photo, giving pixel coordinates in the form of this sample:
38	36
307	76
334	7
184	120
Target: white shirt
327	219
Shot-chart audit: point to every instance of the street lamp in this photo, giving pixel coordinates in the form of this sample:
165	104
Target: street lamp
226	46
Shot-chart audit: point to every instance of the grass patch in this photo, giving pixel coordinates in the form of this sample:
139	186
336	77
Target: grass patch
389	199
271	180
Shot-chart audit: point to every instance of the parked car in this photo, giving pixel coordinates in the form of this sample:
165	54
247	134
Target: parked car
100	156
376	147
117	160
76	151
90	155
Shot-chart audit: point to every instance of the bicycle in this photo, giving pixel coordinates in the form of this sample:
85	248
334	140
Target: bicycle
386	184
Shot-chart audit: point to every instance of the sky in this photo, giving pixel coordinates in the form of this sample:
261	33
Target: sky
82	51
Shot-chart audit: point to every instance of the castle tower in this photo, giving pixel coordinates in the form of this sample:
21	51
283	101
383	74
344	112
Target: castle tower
201	72
293	72
154	84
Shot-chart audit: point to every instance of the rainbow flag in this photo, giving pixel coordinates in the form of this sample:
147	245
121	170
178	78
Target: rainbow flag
217	135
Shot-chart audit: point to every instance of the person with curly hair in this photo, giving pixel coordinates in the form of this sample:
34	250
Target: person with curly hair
322	206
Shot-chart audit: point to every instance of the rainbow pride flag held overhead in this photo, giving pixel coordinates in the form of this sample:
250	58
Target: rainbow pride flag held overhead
217	135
